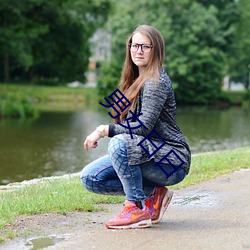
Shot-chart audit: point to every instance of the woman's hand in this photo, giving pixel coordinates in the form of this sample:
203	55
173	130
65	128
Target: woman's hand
91	140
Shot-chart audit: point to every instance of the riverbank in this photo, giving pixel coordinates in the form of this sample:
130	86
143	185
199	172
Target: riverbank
46	98
17	101
64	195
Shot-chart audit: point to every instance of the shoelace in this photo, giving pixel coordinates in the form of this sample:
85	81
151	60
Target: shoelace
126	210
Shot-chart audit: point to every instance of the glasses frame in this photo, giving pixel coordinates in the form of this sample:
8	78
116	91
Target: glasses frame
140	45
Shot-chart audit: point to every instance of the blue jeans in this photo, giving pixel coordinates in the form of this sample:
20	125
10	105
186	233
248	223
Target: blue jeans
112	175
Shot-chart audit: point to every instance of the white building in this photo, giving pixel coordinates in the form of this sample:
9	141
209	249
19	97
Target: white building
100	46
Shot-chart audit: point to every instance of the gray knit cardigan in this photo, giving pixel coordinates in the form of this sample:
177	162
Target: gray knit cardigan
157	104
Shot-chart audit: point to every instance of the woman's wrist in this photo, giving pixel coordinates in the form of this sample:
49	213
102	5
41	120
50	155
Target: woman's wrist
103	130
106	130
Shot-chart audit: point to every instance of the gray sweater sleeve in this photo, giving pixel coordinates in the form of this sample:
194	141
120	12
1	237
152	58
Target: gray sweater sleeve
154	96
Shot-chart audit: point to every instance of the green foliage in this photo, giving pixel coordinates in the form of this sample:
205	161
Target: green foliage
225	98
194	59
48	39
196	34
13	105
108	78
239	58
236	97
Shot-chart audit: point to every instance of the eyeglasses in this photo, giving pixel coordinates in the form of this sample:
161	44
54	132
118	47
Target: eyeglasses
144	47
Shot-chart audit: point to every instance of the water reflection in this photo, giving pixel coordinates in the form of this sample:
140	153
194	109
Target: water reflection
53	144
209	130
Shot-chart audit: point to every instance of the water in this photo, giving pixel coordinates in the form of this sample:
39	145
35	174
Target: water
37	243
53	144
210	130
43	242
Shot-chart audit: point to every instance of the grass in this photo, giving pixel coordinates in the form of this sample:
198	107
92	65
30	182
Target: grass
67	194
11	234
206	166
53	97
54	195
44	91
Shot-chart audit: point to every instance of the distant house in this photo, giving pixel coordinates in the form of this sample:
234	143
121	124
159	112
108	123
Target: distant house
230	85
100	46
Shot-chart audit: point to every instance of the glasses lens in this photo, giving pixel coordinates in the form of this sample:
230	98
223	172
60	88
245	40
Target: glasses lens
146	48
134	47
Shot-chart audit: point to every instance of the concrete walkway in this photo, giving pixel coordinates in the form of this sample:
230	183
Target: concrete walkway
211	215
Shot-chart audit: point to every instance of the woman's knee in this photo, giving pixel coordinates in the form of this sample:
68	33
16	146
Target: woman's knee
87	180
176	177
117	147
94	172
118	156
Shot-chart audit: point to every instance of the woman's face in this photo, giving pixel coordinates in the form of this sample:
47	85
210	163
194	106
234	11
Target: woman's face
140	50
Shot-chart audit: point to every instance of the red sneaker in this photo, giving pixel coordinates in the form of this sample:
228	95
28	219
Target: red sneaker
130	217
157	204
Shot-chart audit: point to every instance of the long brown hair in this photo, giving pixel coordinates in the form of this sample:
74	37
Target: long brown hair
131	82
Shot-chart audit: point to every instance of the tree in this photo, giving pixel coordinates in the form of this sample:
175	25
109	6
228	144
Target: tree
68	39
48	39
193	36
195	60
239	58
15	48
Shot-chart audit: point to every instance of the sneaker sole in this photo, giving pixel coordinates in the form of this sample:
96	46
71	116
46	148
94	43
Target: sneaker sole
165	202
141	224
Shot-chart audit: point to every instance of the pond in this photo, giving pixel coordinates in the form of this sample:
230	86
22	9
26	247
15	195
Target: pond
53	144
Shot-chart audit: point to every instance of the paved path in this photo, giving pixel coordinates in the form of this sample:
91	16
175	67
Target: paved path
210	215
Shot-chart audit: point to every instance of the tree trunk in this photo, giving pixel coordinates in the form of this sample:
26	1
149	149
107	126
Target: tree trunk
6	68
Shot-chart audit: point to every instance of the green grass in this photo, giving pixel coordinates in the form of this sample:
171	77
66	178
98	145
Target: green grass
62	195
207	166
54	195
54	97
11	234
43	91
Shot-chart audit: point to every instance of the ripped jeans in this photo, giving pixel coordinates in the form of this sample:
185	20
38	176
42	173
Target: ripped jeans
112	175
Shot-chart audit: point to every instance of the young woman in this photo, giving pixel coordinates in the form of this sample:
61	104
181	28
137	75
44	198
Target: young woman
146	146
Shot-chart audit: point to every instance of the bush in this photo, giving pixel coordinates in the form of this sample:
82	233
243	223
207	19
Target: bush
109	74
225	97
16	106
